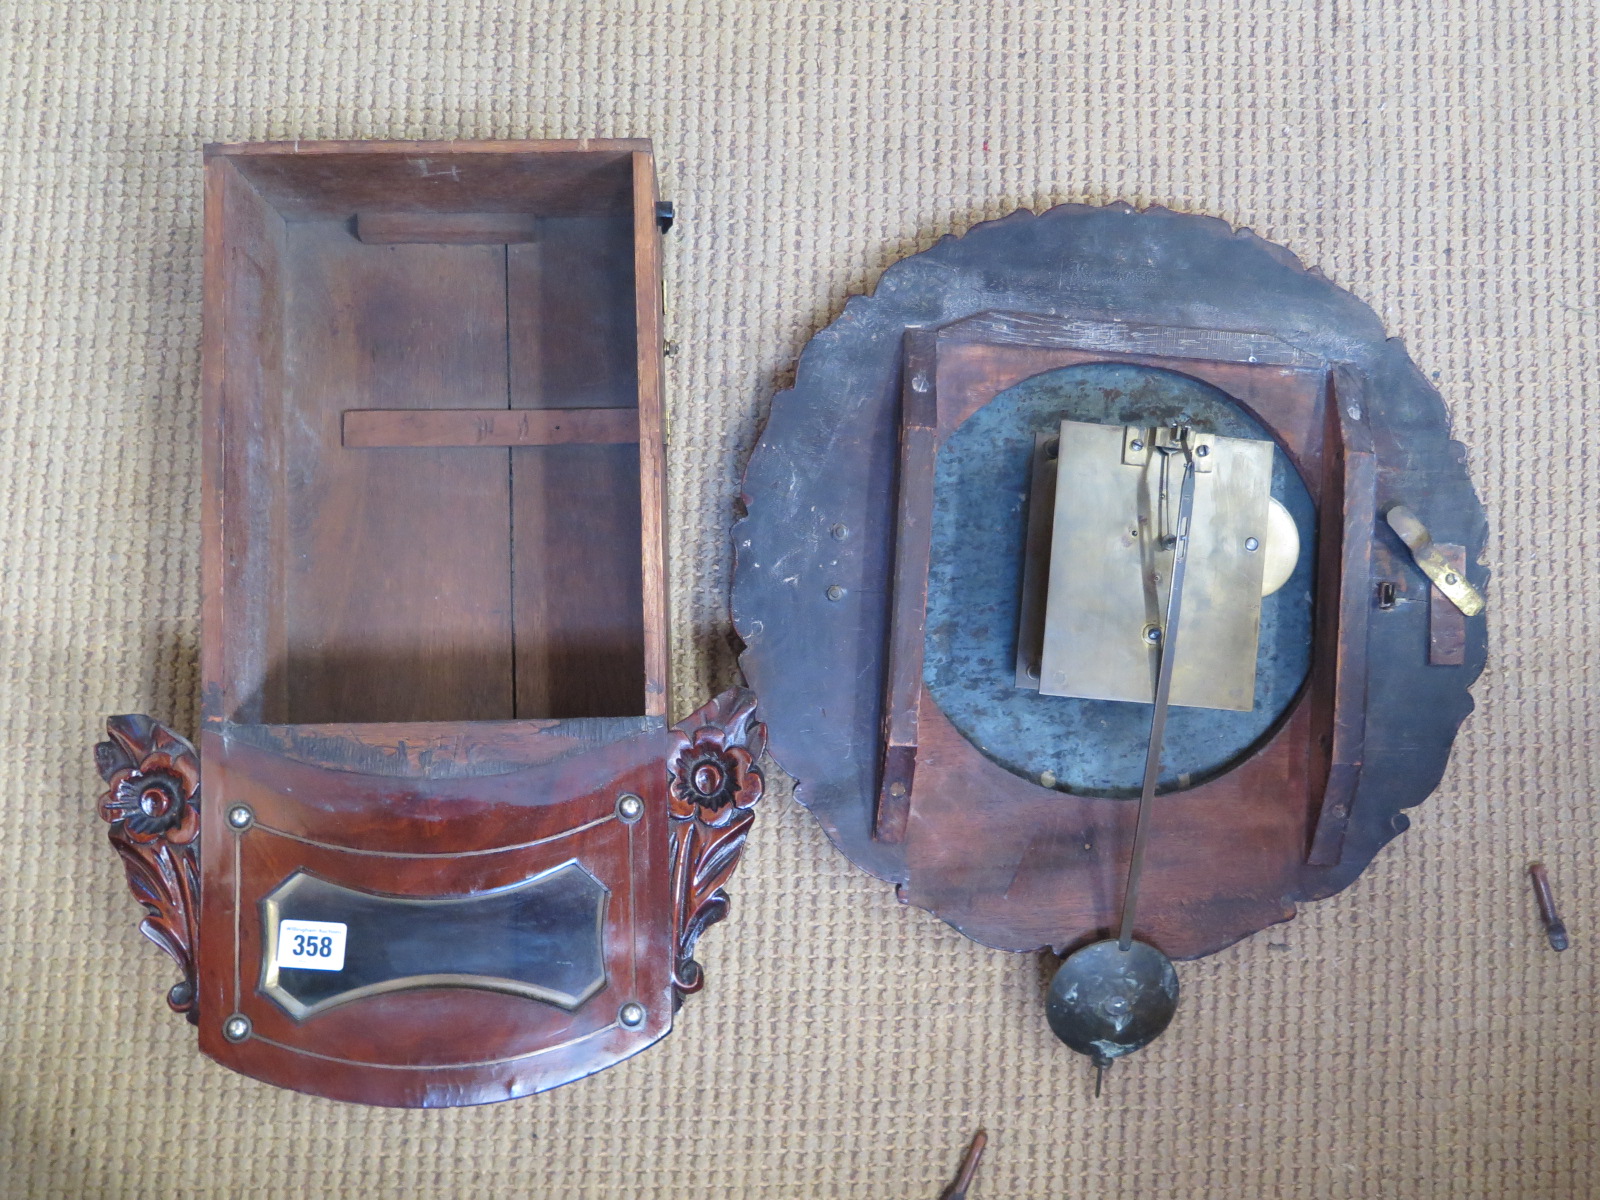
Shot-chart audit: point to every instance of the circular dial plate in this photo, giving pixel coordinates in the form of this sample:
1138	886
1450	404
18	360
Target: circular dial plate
1086	747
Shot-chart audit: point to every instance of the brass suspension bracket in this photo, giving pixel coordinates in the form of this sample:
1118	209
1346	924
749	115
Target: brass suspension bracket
1445	575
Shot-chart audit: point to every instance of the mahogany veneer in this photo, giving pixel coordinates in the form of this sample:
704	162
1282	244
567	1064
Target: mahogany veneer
435	625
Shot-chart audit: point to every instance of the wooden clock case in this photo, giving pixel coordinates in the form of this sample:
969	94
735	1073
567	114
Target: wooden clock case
434	650
838	567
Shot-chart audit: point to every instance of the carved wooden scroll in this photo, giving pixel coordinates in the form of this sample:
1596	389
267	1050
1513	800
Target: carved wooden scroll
713	786
152	802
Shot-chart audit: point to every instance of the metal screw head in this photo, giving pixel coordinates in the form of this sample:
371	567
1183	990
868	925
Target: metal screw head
1252	544
835	592
1136	445
1449	577
1152	635
240	816
236	1028
631	1014
1202	451
840	532
629	808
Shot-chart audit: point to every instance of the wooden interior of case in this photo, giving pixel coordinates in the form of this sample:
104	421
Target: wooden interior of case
440	436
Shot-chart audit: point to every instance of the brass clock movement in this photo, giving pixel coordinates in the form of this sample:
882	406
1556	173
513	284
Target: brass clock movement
1111	585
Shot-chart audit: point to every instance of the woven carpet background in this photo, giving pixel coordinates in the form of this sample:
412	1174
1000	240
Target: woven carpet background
1413	1037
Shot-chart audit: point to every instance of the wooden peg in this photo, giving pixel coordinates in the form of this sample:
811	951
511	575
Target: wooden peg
1555	929
969	1168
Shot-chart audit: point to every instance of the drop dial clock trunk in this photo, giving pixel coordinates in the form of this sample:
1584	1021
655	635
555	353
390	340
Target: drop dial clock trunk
442	840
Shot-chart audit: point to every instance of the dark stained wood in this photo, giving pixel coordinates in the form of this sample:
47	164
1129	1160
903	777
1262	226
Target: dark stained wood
1282	389
1028	292
437	749
1013	863
340	806
385	612
1034	595
454	835
570	309
346	622
425	837
1347	518
713	783
919	452
1447	624
579	513
379	628
305	180
380	228
949	375
152	803
1120	339
242	385
1018	866
577	599
417	428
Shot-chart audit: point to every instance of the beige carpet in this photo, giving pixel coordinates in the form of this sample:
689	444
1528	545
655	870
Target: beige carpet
1411	1038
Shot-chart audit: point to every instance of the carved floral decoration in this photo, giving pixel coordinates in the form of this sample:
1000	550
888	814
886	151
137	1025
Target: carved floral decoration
152	802
713	785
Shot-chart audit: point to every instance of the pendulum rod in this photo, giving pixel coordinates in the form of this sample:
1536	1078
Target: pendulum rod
1158	721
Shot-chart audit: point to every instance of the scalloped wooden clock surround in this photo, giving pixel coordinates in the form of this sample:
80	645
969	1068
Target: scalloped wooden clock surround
881	563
